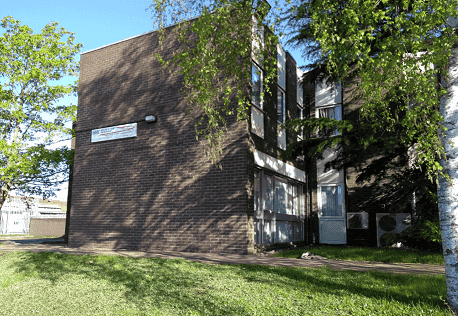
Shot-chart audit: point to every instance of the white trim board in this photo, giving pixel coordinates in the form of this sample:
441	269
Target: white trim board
263	160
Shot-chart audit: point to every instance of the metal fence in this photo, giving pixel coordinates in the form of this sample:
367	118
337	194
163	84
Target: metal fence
15	215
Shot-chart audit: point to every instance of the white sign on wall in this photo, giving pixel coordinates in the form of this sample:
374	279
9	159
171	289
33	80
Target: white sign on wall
114	132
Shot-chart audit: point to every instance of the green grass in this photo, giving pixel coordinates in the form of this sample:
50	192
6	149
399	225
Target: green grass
390	255
51	283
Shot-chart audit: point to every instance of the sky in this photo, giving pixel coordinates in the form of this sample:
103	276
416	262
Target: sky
95	23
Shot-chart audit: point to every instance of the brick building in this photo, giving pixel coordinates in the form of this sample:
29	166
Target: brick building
142	184
141	180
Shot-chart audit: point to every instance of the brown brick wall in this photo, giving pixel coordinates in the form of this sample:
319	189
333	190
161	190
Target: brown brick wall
156	191
360	196
47	226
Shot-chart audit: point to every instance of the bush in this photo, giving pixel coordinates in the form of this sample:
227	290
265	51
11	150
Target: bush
389	239
423	235
432	231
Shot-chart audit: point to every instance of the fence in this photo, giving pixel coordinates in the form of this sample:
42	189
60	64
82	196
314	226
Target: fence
20	216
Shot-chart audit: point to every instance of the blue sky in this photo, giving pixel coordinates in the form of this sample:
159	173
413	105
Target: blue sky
95	23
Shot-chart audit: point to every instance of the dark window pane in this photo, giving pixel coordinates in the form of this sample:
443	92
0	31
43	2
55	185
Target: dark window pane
256	78
280	105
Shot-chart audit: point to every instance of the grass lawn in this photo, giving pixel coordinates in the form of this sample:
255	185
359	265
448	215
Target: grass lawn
390	255
50	283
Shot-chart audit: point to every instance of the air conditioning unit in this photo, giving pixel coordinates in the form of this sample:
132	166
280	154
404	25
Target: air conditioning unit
358	220
391	223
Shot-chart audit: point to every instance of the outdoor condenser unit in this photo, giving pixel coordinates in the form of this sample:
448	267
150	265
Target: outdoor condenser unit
391	223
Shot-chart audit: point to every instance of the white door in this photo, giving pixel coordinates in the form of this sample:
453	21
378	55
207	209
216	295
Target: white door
331	214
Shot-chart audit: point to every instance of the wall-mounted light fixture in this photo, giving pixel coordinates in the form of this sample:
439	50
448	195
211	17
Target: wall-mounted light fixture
150	119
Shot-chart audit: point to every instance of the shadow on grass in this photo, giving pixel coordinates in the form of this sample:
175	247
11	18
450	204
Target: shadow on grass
188	285
176	282
408	289
388	255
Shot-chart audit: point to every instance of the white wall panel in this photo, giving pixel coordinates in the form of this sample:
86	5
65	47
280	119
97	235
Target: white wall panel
281	67
327	94
331	176
257	121
263	160
281	138
300	89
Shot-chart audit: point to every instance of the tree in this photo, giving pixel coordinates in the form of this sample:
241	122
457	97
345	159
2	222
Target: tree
384	52
400	54
448	208
222	42
389	46
394	54
216	57
33	113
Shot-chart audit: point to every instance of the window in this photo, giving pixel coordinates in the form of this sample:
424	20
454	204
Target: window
267	192
256	86
327	113
331	112
257	41
300	99
331	200
281	105
257	193
257	116
283	200
286	198
281	96
279	219
300	134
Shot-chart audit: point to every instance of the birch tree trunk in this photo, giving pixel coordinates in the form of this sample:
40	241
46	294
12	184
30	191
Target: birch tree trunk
448	193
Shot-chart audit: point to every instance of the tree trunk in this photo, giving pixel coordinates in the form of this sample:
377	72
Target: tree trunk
448	193
4	192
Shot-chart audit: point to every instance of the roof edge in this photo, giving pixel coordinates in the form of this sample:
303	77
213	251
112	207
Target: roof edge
132	37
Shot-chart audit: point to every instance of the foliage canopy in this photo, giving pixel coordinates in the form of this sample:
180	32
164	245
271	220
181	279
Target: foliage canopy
216	57
33	113
397	52
390	54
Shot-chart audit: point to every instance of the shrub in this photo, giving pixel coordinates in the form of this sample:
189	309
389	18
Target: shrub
389	239
422	235
432	231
